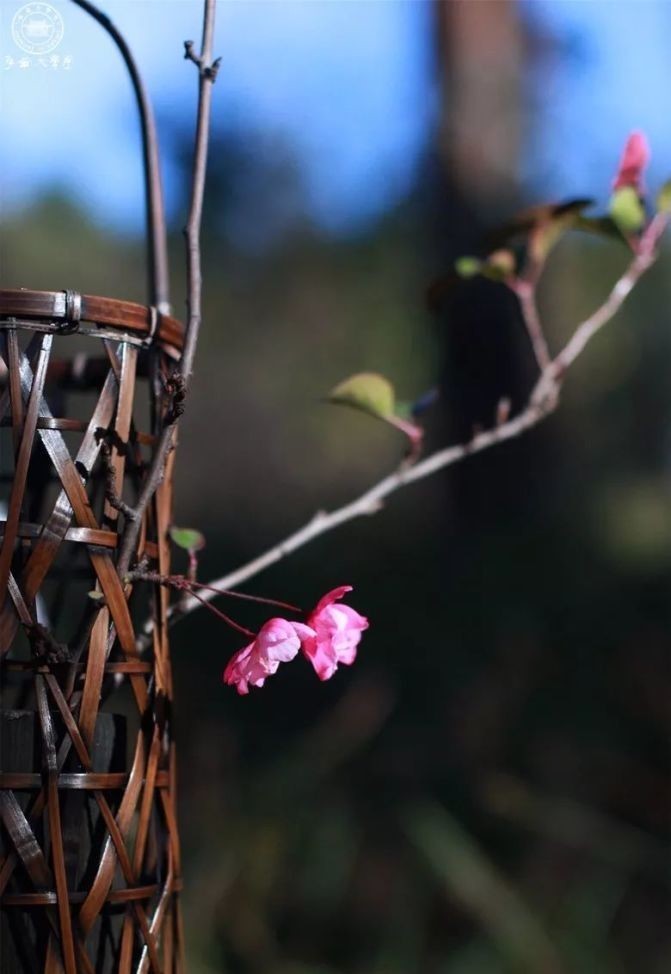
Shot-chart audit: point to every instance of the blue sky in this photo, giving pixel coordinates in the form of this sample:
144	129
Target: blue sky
345	82
611	74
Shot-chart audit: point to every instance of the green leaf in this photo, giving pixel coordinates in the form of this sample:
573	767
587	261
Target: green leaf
547	233
600	226
664	198
468	266
369	392
573	207
187	538
627	210
541	215
500	265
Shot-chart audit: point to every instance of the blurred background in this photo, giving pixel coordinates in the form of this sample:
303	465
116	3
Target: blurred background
487	789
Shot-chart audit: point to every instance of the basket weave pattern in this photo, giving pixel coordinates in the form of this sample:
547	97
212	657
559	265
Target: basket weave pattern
89	853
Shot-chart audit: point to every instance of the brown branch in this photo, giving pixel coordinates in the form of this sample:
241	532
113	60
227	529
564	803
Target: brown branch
45	647
113	498
526	294
142	574
207	72
543	400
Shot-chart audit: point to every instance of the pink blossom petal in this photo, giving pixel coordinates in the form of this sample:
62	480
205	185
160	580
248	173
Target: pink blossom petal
241	670
338	631
278	641
330	637
635	158
333	596
321	654
304	632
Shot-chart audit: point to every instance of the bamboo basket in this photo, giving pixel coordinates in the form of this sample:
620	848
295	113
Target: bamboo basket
90	863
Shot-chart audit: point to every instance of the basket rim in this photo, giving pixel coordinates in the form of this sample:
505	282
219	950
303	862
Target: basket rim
64	312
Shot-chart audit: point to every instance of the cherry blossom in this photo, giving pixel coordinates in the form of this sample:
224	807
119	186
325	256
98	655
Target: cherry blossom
337	632
278	641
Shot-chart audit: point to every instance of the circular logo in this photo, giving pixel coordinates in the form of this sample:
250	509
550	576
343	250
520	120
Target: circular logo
37	28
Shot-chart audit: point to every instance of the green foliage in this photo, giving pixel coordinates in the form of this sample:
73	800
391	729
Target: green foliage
549	230
372	393
498	266
627	210
467	267
534	232
187	538
600	226
537	229
368	392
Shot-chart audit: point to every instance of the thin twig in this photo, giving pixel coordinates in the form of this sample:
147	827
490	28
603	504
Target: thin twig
644	259
543	400
111	495
182	584
526	294
207	72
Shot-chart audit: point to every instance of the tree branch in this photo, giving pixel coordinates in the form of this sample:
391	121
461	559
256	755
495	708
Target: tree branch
645	258
207	72
543	400
111	494
526	295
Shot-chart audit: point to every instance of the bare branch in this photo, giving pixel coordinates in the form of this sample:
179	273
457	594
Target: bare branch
543	400
207	72
202	63
180	379
111	495
645	258
526	294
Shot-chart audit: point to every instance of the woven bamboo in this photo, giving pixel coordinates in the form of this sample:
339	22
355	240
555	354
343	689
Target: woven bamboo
90	862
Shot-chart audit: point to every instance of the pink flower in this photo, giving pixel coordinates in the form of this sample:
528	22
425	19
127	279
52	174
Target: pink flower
337	632
634	159
278	641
